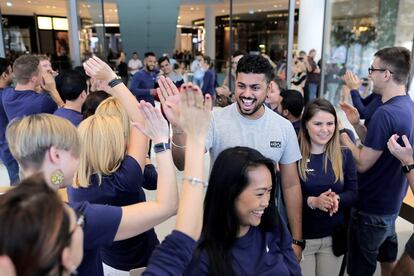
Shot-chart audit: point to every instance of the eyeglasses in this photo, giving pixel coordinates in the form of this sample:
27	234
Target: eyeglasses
372	69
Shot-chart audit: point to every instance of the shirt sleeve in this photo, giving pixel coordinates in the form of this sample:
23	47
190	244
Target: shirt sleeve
48	105
150	177
350	191
129	176
101	224
291	152
380	130
287	251
172	256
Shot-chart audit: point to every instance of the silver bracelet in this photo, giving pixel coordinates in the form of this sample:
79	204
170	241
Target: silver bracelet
177	146
195	181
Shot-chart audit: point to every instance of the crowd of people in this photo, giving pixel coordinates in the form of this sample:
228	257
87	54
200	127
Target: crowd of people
289	190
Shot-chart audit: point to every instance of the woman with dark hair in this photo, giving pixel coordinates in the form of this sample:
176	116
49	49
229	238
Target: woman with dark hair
242	233
329	185
92	102
40	234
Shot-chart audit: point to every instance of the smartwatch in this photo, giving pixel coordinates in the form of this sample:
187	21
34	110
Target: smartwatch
301	243
117	80
160	147
407	168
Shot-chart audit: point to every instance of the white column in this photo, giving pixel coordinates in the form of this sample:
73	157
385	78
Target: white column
73	33
210	29
311	14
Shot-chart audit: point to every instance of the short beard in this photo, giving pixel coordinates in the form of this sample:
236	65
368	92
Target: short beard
257	108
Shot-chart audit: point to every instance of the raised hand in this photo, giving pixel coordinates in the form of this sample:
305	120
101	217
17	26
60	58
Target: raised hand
49	83
351	113
351	80
195	112
98	69
170	99
154	125
404	154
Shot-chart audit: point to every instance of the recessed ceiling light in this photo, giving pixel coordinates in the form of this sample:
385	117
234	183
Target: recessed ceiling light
9	4
29	2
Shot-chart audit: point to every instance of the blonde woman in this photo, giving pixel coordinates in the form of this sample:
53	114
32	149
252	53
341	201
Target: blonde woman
329	184
110	173
51	145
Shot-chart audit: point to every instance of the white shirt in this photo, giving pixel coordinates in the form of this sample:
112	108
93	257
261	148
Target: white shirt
135	64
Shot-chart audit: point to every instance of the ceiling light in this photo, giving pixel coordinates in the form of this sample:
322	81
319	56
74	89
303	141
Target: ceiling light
9	4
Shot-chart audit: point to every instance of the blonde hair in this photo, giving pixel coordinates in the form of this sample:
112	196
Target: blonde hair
333	150
111	106
31	136
103	144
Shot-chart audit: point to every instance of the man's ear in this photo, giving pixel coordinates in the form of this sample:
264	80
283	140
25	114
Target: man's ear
285	112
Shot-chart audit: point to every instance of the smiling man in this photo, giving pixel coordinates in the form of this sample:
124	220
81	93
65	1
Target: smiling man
248	122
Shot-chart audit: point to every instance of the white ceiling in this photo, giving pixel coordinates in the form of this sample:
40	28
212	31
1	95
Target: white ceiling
188	12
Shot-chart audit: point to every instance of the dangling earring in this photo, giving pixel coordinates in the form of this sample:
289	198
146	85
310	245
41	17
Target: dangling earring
57	177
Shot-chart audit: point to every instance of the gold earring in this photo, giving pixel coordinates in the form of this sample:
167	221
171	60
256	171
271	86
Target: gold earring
57	177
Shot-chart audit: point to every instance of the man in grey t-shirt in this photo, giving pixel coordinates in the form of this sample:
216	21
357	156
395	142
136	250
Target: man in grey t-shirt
248	123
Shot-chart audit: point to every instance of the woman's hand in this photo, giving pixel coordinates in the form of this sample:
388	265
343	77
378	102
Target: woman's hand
323	202
154	125
98	69
195	112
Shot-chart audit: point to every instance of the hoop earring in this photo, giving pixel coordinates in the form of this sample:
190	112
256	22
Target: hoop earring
57	177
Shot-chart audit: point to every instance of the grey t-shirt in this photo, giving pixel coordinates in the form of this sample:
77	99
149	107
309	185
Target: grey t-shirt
271	135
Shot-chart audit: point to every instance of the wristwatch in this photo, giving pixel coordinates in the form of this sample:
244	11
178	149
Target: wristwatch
342	131
160	147
114	82
301	243
407	168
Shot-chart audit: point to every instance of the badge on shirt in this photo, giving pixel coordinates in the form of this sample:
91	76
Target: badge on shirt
275	144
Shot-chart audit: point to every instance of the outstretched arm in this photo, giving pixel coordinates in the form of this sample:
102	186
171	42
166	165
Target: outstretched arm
178	247
98	69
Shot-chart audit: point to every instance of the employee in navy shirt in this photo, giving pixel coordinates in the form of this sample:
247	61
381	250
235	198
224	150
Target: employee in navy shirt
143	81
291	107
61	233
381	181
24	100
6	77
115	177
73	90
329	185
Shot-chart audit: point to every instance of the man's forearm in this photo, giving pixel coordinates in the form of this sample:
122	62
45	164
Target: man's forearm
293	202
361	130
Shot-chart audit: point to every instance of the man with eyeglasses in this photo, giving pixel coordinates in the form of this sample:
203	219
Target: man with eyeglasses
381	177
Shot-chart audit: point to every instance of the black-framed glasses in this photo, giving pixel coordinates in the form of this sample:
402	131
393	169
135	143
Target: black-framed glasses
372	69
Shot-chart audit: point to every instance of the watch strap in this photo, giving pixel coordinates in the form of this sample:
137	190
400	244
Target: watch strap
407	168
160	147
301	243
114	82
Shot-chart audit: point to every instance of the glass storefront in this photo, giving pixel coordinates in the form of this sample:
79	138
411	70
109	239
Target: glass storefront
354	31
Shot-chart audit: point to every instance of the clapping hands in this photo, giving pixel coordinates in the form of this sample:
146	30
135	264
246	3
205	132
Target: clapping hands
327	202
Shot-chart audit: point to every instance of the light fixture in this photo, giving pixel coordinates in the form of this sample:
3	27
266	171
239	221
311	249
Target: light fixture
9	4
